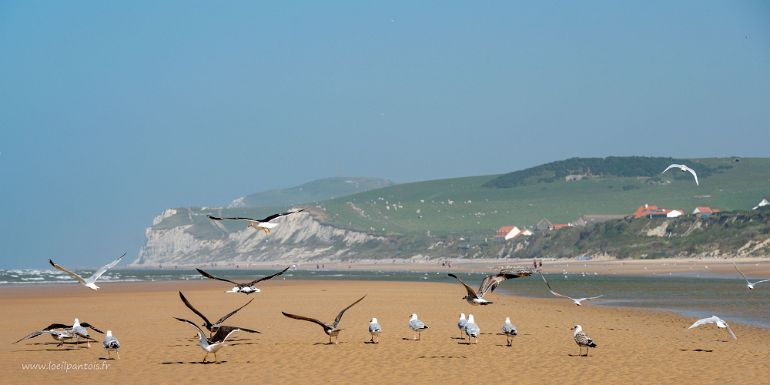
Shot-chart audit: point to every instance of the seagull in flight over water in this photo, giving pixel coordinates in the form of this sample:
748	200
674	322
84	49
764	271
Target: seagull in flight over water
684	168
245	288
749	285
488	285
576	301
330	329
89	282
714	320
263	224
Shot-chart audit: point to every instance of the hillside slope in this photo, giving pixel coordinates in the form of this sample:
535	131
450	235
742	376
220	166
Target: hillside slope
314	191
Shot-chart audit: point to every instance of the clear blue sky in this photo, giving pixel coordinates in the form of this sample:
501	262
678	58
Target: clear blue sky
112	111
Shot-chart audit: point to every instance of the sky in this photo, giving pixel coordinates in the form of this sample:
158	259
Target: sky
111	112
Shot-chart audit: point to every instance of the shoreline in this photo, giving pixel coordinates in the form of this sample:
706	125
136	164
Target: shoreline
635	345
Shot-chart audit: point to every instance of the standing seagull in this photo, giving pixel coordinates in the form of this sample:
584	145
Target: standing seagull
213	344
374	330
213	327
472	330
582	340
714	320
89	282
749	285
488	285
509	330
417	326
684	169
263	224
247	287
576	301
461	324
330	330
111	343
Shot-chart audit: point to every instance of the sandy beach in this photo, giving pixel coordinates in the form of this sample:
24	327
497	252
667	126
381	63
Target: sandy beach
634	346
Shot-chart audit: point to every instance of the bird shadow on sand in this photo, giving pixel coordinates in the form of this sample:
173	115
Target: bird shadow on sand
442	357
329	343
697	350
371	343
408	339
106	359
191	362
577	355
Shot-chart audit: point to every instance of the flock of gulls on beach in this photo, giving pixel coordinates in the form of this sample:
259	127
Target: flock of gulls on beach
218	333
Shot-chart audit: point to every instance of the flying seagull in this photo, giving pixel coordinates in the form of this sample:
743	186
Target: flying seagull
461	324
714	320
214	327
576	301
684	169
89	282
488	285
417	326
472	330
263	224
330	329
62	332
247	287
582	340
509	330
749	285
213	344
111	344
375	330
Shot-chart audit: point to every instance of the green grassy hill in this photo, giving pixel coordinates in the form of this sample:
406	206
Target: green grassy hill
476	206
314	191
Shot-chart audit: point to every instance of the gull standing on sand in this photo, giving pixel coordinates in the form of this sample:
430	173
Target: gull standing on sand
214	327
509	330
215	343
263	224
472	330
582	340
461	324
89	282
246	287
576	301
714	320
488	285
111	344
330	329
374	330
417	326
749	285
684	169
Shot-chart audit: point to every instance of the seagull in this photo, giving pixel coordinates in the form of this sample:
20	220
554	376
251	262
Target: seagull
749	285
684	169
247	287
374	330
472	330
89	282
582	340
62	332
576	301
330	330
213	344
714	320
263	224
214	327
461	324
416	325
57	334
489	284
111	343
509	330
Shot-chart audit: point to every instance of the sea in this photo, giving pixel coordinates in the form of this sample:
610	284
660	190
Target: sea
690	295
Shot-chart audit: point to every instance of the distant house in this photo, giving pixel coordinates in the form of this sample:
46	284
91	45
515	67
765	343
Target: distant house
676	213
543	225
526	233
503	231
559	226
764	202
704	211
650	211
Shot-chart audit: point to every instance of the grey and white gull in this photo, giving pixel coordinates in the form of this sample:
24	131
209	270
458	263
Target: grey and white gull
332	330
89	282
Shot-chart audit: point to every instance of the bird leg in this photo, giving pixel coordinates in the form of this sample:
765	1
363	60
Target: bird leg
108	354
118	353
215	358
204	357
